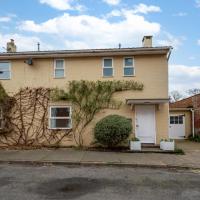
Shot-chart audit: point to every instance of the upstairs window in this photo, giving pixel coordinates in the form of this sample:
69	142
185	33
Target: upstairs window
59	68
129	67
5	70
60	117
107	67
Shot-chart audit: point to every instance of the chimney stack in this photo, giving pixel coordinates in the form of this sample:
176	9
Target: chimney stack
147	41
11	47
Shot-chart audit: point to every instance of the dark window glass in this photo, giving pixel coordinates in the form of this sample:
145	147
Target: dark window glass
172	120
107	71
108	62
128	71
60	112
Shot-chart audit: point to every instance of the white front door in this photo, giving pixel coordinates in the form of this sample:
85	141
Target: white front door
177	127
145	123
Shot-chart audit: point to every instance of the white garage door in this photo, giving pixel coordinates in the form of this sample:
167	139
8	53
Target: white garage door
177	127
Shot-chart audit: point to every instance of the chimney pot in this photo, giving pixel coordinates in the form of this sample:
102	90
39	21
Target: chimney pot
147	41
11	47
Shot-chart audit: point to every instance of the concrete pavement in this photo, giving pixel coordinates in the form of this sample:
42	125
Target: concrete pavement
191	159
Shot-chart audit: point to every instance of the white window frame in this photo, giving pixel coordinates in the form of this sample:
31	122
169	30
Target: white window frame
6	70
124	66
1	118
60	68
70	117
108	67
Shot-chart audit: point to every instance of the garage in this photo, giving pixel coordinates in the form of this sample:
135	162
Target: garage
177	126
180	123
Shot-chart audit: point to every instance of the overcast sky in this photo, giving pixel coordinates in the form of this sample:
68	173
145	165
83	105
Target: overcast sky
79	24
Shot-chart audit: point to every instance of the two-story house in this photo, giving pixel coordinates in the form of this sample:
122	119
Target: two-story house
148	109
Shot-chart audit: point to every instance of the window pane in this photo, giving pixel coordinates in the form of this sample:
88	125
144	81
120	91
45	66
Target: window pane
4	75
171	120
107	62
60	123
176	119
128	71
59	73
59	64
4	66
60	112
180	119
128	62
107	71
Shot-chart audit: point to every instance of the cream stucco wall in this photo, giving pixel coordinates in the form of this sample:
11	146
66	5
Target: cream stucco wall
151	70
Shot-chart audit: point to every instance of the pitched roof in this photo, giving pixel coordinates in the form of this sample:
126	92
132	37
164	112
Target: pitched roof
189	102
87	52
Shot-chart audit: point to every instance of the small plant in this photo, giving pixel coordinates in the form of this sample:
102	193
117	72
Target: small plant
166	140
134	139
196	138
179	152
112	130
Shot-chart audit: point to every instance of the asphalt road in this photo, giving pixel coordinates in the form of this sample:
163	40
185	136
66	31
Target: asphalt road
19	182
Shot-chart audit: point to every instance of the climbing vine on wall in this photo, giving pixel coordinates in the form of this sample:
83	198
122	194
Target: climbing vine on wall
26	113
6	103
89	97
28	120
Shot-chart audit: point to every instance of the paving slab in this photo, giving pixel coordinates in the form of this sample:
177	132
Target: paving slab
64	155
24	155
106	157
73	156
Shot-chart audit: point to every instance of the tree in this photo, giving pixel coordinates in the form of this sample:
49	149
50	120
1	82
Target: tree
193	91
175	95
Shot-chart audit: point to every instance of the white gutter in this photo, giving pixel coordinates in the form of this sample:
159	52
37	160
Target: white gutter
192	111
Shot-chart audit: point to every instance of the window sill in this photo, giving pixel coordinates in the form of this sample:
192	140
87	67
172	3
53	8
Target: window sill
107	76
59	129
59	77
129	76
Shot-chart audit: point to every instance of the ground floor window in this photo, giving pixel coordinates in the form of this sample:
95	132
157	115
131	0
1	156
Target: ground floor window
60	117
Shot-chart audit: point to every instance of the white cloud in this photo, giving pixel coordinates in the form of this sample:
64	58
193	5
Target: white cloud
145	9
137	9
95	32
198	42
182	77
198	3
5	19
171	40
63	4
112	2
24	43
114	13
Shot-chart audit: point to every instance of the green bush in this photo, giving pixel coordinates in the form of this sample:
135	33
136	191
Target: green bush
196	138
112	130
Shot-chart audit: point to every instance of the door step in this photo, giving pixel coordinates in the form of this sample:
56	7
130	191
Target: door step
150	146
